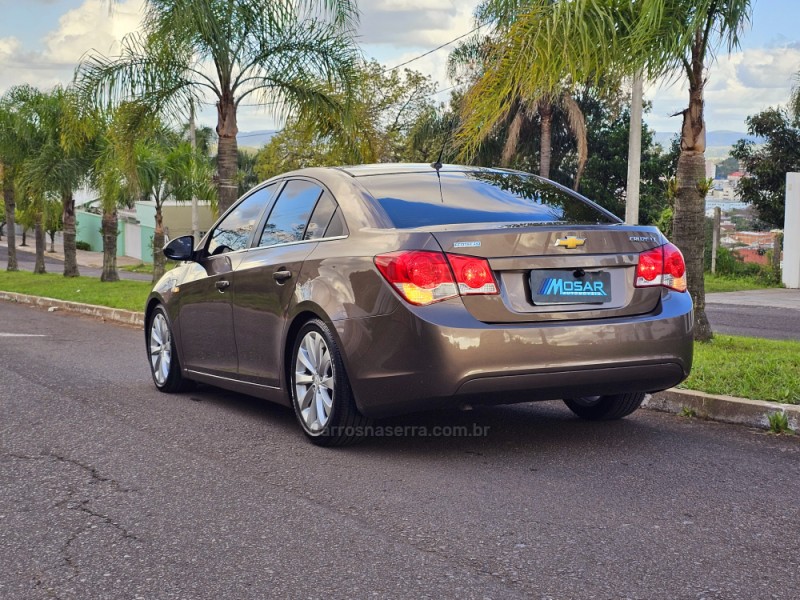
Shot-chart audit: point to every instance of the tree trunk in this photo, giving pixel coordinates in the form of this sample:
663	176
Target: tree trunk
52	235
227	152
9	202
24	236
41	244
546	143
688	225
109	228
158	246
70	252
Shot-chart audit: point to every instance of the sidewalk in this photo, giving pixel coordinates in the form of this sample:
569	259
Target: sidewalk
772	297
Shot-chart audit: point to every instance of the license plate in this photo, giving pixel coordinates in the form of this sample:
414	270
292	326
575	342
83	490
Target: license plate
565	287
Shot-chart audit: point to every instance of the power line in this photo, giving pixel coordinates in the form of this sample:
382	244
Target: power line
424	54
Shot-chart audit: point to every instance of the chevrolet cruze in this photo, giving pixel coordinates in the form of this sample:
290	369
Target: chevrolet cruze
361	292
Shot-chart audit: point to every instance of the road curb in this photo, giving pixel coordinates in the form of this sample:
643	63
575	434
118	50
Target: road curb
118	315
726	409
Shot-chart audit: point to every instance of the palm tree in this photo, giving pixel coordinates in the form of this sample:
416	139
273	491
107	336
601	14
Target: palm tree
601	40
26	119
469	60
63	158
13	151
291	55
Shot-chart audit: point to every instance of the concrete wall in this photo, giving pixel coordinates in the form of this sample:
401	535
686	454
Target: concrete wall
89	229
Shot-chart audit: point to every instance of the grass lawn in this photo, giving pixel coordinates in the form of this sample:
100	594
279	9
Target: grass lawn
746	367
130	295
729	283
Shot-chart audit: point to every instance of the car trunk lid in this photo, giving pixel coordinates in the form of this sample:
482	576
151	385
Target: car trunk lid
552	272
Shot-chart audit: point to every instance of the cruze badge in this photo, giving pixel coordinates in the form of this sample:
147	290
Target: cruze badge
570	242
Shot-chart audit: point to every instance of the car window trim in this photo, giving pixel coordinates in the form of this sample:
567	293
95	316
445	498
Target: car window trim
295	243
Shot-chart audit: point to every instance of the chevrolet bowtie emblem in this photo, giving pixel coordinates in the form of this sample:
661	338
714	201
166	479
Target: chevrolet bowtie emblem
570	242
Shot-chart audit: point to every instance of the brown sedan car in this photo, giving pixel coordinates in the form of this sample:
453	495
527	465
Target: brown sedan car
360	292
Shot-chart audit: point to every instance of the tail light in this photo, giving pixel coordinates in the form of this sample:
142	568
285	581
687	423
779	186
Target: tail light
423	277
663	266
473	275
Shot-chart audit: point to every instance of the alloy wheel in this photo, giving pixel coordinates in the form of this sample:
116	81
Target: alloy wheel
314	382
160	349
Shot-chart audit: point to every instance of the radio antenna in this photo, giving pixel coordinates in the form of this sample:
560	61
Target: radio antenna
438	164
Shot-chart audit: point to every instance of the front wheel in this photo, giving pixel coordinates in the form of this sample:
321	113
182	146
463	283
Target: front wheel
605	408
321	395
164	365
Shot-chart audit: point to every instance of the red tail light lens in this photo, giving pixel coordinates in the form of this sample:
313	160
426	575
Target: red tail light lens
424	277
420	276
473	275
662	266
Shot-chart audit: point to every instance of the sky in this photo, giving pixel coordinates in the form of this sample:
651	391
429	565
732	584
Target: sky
42	41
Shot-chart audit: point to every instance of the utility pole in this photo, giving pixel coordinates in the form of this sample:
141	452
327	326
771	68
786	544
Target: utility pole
193	142
634	153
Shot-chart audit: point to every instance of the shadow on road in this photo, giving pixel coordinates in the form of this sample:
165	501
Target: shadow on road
529	428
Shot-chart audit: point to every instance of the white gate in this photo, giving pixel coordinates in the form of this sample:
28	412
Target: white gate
133	240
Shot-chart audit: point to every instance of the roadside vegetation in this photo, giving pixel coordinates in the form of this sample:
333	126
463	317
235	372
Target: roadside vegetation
735	283
128	295
744	367
147	267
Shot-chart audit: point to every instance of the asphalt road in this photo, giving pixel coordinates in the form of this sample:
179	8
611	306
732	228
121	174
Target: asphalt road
764	321
113	490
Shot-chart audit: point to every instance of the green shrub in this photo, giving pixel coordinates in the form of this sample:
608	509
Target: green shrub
83	246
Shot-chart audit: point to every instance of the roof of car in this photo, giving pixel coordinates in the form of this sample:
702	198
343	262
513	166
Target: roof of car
396	168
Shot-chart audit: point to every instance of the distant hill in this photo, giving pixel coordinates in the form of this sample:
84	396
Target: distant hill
713	138
255	139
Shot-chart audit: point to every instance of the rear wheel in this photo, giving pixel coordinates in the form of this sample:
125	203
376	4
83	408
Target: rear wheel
321	395
164	365
605	408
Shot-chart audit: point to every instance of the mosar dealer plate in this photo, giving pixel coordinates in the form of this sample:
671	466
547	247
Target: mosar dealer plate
563	287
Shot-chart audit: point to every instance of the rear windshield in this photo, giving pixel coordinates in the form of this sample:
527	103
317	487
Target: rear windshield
422	199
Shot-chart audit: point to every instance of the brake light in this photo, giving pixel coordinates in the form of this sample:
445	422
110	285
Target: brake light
663	266
423	277
473	275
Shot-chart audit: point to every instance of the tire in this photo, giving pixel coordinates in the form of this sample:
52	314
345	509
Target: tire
162	357
321	395
605	408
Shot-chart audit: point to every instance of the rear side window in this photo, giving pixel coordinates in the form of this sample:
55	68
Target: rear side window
423	199
233	232
321	217
288	219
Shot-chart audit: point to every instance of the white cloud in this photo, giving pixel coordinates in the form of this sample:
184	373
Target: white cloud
88	27
741	84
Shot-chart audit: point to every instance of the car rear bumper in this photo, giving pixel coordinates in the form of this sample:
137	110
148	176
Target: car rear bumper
421	358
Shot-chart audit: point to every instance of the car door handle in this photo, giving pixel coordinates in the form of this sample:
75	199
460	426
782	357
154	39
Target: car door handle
222	284
282	275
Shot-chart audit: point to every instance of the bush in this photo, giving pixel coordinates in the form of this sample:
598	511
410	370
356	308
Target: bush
83	246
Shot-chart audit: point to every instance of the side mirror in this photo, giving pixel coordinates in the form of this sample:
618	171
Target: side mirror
181	248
